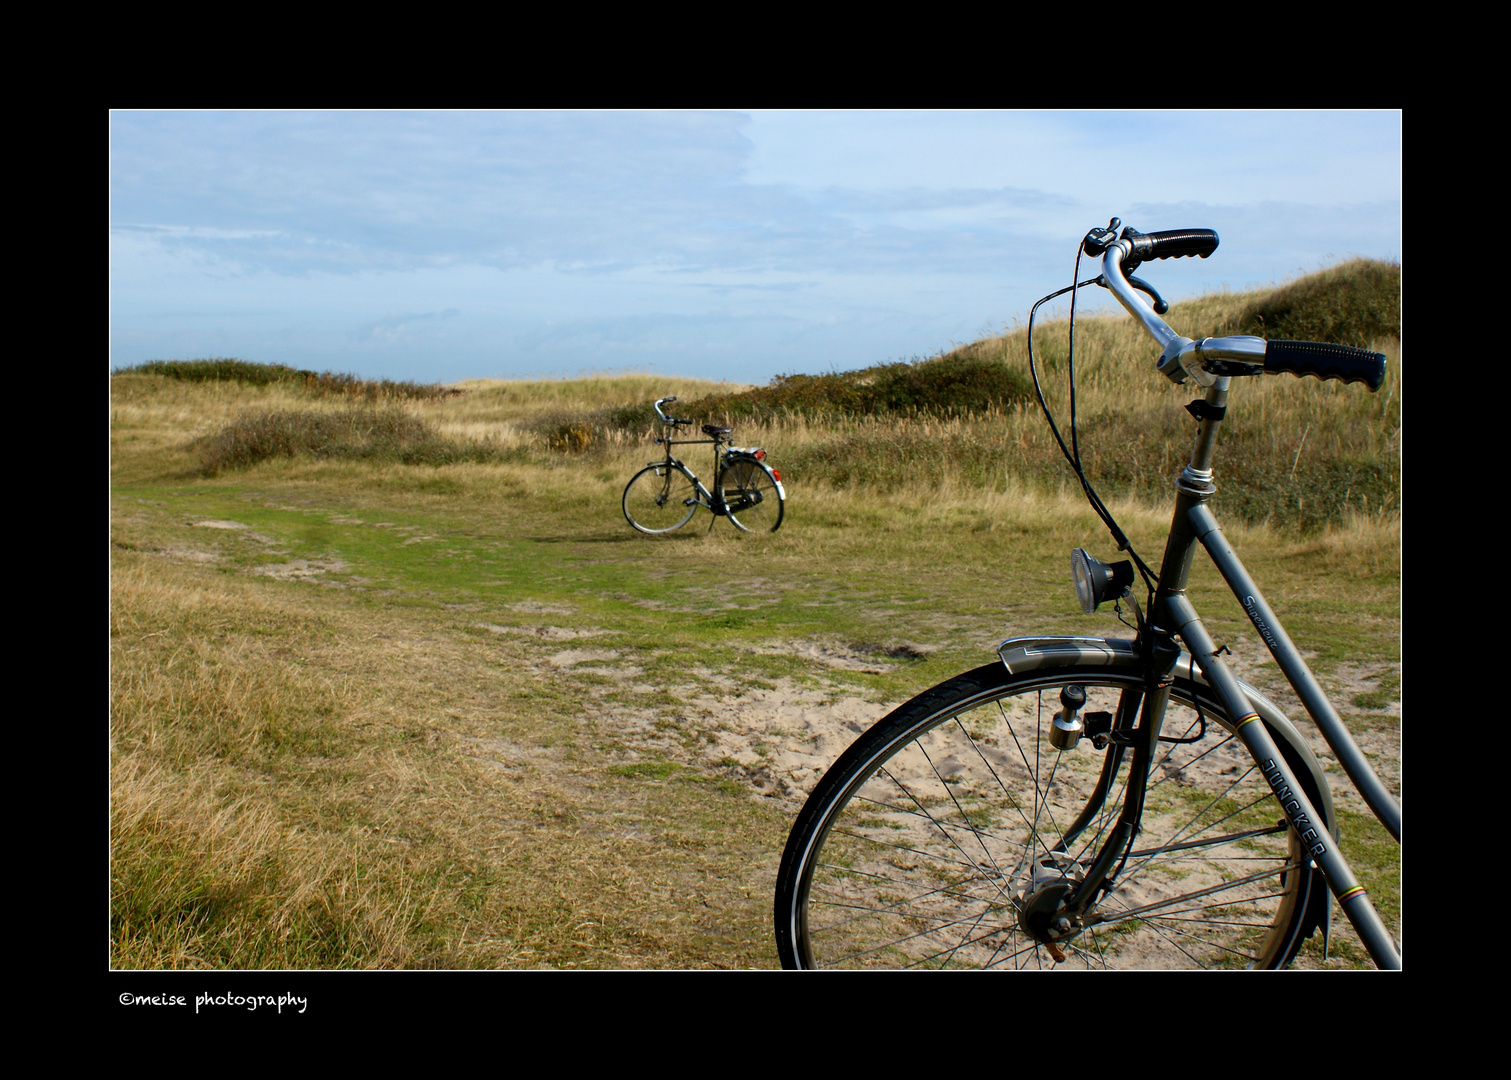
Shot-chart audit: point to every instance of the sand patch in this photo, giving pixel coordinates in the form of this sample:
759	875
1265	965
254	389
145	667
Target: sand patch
511	757
777	742
865	657
219	525
572	657
545	633
234	526
298	570
1353	680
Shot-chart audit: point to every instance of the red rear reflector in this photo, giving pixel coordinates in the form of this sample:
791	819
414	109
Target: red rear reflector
777	473
760	455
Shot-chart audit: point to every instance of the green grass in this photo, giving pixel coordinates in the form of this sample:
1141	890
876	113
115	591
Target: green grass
650	770
1355	303
1389	691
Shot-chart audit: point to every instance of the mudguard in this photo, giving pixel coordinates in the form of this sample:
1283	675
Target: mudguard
748	453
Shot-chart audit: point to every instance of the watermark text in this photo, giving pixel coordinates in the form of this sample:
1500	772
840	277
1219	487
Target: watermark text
249	1002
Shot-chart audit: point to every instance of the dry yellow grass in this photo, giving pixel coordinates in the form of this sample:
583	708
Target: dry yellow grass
310	785
309	777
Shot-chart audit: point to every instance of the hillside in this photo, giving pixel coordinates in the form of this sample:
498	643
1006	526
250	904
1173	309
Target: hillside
1298	453
1356	303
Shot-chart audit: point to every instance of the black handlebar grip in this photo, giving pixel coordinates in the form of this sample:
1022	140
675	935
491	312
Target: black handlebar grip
1178	243
1340	362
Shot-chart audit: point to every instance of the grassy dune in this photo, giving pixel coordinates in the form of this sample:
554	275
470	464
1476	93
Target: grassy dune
394	685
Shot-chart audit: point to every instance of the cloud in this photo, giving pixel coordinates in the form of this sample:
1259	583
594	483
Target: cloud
350	192
398	327
356	191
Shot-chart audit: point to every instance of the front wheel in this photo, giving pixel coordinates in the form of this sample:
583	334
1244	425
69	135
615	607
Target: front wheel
660	498
945	834
753	496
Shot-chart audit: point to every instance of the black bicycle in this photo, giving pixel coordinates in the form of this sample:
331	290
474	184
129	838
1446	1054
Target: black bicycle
664	496
1099	802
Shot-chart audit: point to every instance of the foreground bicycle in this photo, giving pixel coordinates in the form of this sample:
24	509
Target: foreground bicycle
1099	802
663	496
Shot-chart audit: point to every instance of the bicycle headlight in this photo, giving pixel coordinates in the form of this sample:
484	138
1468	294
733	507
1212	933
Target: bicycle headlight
1096	581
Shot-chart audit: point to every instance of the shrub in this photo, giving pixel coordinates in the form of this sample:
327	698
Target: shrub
953	385
390	434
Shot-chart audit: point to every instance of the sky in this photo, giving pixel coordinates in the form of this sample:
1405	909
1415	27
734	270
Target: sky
442	246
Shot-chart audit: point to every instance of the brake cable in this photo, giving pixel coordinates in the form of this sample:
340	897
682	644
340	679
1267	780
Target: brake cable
1072	453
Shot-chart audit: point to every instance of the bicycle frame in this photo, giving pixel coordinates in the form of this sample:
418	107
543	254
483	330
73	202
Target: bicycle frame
1172	615
705	498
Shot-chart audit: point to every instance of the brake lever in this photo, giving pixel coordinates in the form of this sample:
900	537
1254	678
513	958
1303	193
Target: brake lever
1160	307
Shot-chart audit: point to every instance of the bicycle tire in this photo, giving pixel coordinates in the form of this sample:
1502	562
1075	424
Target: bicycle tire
660	499
911	851
753	496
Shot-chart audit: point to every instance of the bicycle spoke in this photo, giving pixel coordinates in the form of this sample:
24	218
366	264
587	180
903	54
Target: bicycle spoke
943	831
985	850
1138	912
1033	773
944	892
1188	764
1134	872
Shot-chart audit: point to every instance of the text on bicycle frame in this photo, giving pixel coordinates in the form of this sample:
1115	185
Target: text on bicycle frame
1292	806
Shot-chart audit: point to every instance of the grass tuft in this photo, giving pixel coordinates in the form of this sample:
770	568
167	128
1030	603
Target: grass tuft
360	433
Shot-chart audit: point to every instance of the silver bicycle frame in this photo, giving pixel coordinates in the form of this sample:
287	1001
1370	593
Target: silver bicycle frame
1173	614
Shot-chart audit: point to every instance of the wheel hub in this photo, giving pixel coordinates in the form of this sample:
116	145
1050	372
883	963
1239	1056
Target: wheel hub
1041	912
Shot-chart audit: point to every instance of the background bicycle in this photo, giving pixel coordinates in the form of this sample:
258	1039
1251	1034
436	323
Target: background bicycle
1100	801
664	496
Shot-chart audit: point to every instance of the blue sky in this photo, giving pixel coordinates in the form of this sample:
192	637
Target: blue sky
740	245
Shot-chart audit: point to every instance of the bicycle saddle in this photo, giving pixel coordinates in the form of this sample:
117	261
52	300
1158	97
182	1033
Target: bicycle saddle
715	430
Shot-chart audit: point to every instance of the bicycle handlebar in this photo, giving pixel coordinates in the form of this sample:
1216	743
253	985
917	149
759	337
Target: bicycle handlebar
1172	243
1209	359
1341	362
1113	255
664	418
